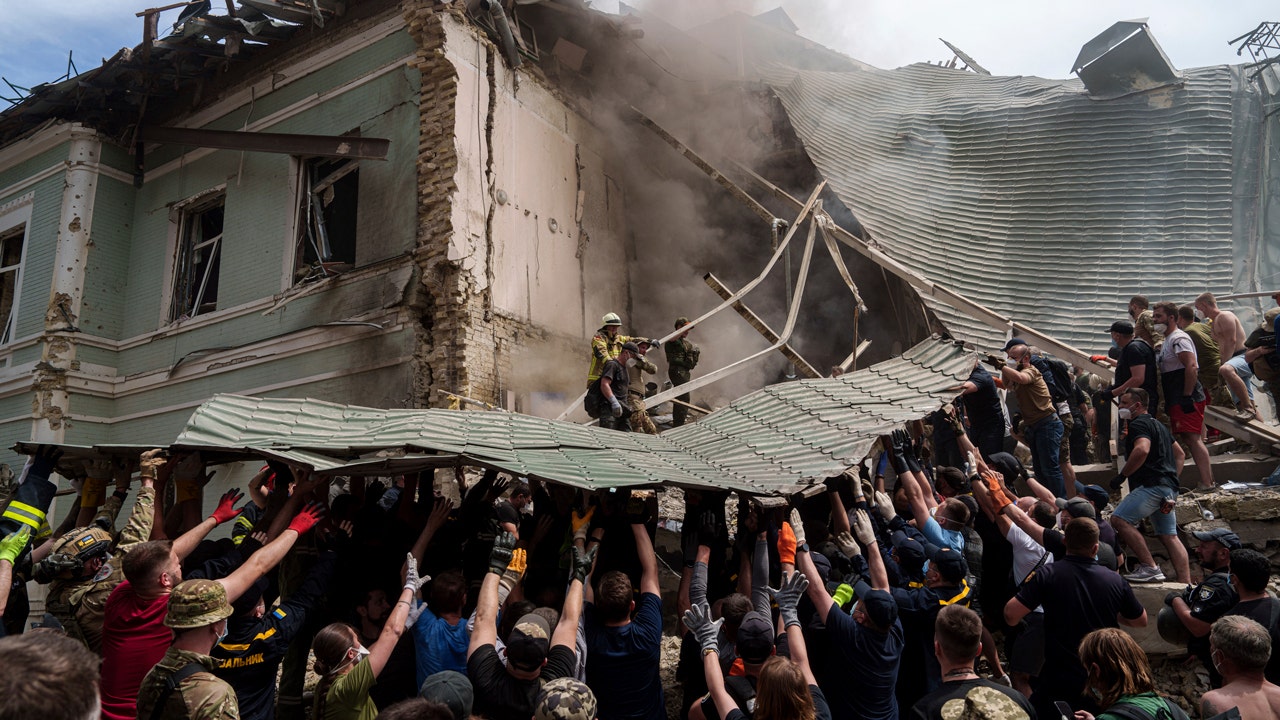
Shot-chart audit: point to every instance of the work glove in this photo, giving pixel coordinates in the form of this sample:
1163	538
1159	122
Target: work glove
884	504
14	543
1117	481
847	545
44	460
151	461
582	561
897	453
615	406
704	629
843	594
708	528
226	509
581	522
788	598
834	482
864	472
1187	404
862	529
512	574
995	361
999	498
797	527
307	518
786	545
1004	680
411	579
501	554
1097	358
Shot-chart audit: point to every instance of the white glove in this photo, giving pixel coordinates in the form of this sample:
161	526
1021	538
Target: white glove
862	527
797	527
884	504
847	545
616	406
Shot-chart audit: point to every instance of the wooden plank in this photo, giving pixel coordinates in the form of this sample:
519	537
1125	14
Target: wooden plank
802	366
1264	437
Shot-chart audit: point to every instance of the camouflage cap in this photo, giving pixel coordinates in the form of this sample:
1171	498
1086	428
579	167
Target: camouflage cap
84	543
565	699
196	603
983	703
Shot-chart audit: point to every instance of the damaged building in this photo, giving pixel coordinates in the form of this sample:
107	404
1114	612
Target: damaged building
420	203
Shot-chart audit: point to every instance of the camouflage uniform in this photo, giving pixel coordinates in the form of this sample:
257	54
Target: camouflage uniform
80	604
640	420
201	696
682	358
1144	326
604	349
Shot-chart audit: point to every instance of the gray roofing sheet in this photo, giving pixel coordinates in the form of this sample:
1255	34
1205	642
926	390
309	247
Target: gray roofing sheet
773	441
1025	195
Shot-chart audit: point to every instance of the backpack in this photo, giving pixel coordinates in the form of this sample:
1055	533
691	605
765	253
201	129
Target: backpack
1125	711
594	399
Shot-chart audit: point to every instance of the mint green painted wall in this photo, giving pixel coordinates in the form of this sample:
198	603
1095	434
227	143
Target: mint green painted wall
42	241
32	166
106	278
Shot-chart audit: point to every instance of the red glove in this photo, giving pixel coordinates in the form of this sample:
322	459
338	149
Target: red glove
787	544
307	518
1097	358
227	506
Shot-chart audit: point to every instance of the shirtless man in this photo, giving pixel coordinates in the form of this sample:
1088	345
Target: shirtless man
1240	647
1234	371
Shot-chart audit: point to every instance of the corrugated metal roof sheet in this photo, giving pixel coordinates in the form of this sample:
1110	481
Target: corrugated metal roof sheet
1027	196
774	441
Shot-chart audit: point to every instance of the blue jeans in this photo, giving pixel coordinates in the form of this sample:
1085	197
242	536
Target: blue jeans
1045	437
1145	502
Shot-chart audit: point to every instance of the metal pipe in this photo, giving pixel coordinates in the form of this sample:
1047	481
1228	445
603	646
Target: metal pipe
504	33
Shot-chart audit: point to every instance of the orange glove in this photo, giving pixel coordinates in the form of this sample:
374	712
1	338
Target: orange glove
998	496
787	544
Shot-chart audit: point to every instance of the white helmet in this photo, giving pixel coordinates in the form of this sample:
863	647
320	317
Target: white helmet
611	319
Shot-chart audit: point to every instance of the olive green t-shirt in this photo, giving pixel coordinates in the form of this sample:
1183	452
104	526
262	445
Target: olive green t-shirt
348	696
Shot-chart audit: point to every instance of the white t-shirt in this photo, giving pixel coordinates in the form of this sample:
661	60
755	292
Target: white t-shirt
1177	341
1026	555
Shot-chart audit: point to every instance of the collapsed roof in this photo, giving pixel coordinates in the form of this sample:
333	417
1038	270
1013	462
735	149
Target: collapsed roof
775	441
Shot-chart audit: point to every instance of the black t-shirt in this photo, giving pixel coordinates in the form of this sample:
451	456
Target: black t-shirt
619	380
499	696
997	700
1078	596
1263	610
507	513
871	662
1158	469
983	405
1136	353
821	710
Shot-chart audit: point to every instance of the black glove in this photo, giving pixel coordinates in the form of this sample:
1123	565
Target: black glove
44	460
500	556
897	454
1117	481
1187	404
582	561
995	361
708	528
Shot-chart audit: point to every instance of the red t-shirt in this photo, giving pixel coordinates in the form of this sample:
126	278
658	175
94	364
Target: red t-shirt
134	638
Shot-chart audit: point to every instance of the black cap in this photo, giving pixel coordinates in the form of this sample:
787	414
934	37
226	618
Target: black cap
949	563
529	642
910	553
1078	507
755	638
1122	327
1097	496
631	347
1014	342
877	604
1224	536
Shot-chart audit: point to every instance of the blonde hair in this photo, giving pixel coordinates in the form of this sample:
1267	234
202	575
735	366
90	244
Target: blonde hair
782	693
1116	664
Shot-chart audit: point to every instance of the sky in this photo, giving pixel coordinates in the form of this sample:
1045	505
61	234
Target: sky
1007	37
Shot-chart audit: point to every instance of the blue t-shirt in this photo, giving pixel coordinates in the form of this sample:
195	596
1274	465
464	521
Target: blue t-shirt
439	646
940	536
622	663
871	661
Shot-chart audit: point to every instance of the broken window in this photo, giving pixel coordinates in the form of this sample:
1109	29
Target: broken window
11	242
326	241
199	252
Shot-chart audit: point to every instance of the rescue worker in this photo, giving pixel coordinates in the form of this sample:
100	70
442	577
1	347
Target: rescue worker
27	508
682	358
80	568
614	385
605	345
1196	608
183	686
640	420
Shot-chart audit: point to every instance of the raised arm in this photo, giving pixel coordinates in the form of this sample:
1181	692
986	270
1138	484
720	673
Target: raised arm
788	599
503	554
706	631
817	591
648	560
225	511
566	632
435	521
866	535
380	650
270	555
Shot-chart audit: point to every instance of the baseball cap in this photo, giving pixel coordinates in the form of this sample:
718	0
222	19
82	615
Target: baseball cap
755	638
681	322
529	642
1097	496
1269	318
565	698
1123	327
1077	507
452	689
877	604
1014	342
950	564
910	553
1228	539
631	347
822	563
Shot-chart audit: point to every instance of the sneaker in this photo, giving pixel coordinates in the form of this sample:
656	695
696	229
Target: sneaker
1146	574
1246	415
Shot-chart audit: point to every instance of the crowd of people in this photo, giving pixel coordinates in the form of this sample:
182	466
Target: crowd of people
938	579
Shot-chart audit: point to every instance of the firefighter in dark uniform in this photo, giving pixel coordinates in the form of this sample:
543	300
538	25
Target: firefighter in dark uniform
249	657
1196	608
682	358
27	508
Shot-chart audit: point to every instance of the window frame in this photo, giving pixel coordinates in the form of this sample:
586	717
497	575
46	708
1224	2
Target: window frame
180	215
304	205
16	213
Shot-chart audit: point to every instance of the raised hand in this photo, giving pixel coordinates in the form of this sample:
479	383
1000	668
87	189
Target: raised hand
788	598
582	562
500	556
307	518
884	504
847	545
226	509
704	629
862	527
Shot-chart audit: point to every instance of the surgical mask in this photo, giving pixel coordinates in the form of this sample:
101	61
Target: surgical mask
361	653
631	362
1125	414
1161	327
1115	344
222	635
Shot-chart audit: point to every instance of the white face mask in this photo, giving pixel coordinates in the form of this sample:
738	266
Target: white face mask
1125	414
631	362
1161	327
222	635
